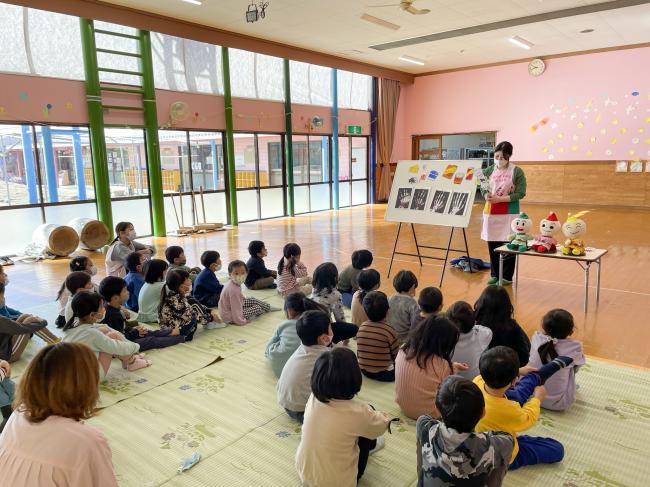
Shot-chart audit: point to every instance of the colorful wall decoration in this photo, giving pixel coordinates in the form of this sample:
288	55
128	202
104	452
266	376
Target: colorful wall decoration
587	107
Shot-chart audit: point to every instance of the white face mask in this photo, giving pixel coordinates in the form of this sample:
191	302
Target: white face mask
501	163
93	270
131	235
218	268
239	279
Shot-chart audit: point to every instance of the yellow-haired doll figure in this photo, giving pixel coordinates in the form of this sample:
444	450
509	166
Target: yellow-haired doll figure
573	229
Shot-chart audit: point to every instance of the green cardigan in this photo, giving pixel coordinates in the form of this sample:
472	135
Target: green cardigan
519	179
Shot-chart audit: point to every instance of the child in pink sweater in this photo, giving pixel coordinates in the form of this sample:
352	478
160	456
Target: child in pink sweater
234	307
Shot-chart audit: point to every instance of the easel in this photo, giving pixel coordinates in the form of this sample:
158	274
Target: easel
420	256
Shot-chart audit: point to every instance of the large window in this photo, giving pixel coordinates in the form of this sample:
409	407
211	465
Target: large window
259	168
41	43
311	173
45	177
186	65
128	177
353	171
192	163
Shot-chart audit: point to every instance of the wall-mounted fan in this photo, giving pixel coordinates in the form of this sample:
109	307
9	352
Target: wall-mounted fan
407	6
179	111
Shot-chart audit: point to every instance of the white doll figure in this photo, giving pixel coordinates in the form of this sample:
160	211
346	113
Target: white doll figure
545	242
521	227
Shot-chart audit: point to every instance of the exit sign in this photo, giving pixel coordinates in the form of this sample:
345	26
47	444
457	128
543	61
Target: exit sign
354	130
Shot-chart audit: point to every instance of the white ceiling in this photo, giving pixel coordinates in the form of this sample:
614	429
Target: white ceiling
335	27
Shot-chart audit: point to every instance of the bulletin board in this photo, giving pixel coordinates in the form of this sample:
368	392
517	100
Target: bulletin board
434	192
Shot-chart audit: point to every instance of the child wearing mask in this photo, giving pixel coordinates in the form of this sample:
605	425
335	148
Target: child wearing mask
234	307
207	288
123	244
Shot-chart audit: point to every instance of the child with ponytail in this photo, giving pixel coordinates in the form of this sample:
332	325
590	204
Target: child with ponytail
81	263
123	244
292	274
554	341
83	327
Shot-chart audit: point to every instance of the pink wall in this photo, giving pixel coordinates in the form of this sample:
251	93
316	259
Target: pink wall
588	107
25	99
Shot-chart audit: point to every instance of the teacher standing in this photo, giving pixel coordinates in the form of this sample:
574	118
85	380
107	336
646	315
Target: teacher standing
507	186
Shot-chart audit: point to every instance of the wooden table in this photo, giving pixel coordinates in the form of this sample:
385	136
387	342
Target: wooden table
592	256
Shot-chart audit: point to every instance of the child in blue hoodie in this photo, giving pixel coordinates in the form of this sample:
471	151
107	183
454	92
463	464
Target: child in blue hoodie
207	288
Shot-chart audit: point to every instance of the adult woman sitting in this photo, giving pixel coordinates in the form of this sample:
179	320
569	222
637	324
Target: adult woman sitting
45	442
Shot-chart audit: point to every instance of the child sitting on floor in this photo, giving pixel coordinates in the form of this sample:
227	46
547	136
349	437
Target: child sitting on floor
561	388
494	310
233	305
377	342
259	277
325	293
134	279
513	406
292	274
369	280
75	283
87	311
123	244
429	302
7	392
149	298
207	288
285	339
175	255
339	432
348	280
403	307
473	341
449	451
115	293
79	263
176	310
423	363
294	386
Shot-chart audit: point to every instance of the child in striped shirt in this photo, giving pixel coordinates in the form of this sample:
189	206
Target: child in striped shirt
377	342
292	274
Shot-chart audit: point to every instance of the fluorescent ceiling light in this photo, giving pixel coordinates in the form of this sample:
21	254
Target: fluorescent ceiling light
380	22
521	42
193	2
411	60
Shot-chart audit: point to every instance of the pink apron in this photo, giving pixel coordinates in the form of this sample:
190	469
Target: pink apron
497	217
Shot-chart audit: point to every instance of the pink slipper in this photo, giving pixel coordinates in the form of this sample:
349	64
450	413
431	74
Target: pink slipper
137	363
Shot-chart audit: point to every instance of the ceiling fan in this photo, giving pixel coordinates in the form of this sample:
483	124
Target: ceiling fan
407	6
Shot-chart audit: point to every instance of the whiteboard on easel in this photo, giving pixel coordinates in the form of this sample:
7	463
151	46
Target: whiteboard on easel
433	192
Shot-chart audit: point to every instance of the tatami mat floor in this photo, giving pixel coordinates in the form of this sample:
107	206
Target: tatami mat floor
216	396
